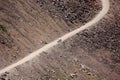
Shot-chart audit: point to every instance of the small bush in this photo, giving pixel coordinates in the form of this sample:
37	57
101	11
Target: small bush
2	28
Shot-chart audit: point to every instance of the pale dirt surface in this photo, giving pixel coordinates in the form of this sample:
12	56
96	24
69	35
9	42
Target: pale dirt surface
26	27
93	54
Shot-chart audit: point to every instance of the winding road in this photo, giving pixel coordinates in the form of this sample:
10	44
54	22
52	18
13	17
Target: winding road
98	17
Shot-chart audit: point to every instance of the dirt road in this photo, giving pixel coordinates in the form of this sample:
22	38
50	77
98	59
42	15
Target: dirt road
105	5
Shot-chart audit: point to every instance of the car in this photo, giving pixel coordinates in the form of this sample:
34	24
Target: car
59	40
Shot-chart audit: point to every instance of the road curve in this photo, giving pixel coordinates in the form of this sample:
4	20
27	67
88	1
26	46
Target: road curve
100	15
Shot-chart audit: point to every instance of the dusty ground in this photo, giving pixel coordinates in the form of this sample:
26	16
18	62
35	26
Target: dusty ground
26	26
93	54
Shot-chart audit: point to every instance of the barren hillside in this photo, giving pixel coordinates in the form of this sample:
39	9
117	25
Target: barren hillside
26	26
93	54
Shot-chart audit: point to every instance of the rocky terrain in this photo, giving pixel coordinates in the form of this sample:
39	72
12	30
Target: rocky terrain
93	54
26	26
72	11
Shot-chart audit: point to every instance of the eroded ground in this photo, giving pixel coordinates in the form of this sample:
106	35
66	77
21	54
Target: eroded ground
25	26
93	54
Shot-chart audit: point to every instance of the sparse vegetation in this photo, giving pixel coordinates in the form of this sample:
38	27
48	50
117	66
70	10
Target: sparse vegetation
3	28
1	8
33	25
71	11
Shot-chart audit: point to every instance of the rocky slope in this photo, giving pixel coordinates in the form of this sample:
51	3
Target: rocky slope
26	26
93	54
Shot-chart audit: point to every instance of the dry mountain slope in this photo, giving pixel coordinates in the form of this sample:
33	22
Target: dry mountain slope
85	56
90	55
25	26
98	17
